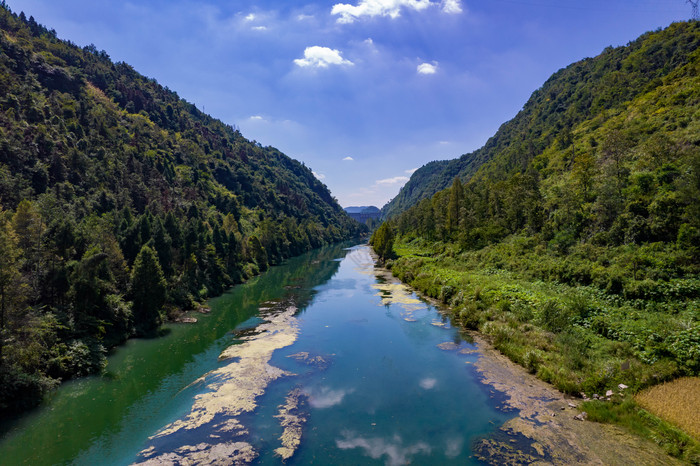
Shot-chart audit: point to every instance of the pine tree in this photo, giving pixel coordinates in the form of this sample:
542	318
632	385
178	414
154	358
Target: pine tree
9	275
453	207
147	292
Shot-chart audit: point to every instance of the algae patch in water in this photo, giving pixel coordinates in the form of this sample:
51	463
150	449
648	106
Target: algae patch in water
232	390
205	454
292	419
448	346
395	293
317	361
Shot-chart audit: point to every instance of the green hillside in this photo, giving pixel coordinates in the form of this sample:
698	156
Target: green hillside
121	205
575	245
585	90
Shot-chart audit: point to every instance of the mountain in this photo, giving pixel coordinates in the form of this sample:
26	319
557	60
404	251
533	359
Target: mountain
362	209
571	240
586	90
121	205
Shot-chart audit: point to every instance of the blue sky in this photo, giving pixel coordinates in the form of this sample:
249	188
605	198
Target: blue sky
361	91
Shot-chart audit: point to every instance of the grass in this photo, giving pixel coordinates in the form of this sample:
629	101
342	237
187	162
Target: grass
677	401
639	421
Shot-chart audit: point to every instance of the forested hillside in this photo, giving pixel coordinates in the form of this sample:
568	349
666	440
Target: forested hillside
122	204
575	244
586	90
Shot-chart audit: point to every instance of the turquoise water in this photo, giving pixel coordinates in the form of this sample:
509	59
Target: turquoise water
375	387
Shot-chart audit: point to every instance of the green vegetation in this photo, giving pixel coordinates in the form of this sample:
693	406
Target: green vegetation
123	205
629	414
573	241
382	241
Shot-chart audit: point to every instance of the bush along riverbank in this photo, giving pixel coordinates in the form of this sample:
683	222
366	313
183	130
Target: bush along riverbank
584	340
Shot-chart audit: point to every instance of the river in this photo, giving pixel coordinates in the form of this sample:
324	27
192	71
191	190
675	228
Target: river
321	360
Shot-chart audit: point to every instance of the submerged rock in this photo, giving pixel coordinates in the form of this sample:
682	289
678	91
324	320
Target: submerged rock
448	346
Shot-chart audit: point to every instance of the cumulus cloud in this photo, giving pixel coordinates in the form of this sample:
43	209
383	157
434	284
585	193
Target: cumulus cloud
394	180
427	68
348	158
250	17
376	448
320	176
350	13
321	57
452	7
325	397
256	118
427	383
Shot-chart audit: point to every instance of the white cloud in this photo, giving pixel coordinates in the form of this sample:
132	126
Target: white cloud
452	7
321	57
348	158
369	41
427	68
427	383
410	171
250	17
375	448
303	17
256	118
260	28
394	180
392	8
320	176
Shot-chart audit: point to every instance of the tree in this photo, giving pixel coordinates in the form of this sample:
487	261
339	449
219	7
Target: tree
147	292
10	276
29	227
383	242
453	207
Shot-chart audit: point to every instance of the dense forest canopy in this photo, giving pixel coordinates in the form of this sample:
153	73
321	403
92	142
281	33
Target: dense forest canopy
122	203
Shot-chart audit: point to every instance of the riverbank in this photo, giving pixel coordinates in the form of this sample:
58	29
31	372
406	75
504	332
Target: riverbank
545	429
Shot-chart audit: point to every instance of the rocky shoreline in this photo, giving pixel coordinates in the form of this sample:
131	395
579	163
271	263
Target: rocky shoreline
546	429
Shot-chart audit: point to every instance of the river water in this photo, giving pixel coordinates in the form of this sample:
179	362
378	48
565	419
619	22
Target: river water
322	360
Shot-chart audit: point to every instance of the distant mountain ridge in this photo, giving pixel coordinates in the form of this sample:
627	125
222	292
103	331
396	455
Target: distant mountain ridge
361	209
584	90
364	214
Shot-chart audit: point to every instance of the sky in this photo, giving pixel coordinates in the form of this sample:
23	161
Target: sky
362	92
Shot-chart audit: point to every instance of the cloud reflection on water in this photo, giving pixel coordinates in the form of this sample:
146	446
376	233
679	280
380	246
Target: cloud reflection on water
394	450
324	397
